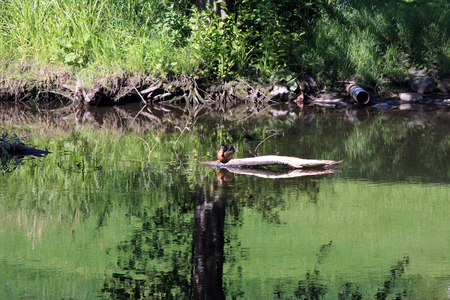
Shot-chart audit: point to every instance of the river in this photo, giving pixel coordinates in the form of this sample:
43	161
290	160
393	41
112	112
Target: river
121	208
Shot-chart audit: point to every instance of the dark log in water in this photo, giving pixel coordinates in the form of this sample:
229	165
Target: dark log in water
269	160
22	150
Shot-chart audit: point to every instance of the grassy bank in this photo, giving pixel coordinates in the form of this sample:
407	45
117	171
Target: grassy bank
373	41
378	41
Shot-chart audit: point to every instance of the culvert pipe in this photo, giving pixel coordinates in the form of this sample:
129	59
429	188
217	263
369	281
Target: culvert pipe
358	93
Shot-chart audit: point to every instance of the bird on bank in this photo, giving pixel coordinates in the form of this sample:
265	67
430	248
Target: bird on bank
225	153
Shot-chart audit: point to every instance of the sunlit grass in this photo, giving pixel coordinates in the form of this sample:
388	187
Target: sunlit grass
375	41
379	39
88	34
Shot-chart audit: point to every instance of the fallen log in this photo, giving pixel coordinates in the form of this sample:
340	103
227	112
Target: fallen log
269	160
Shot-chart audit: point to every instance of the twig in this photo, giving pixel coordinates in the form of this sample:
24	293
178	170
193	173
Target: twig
148	161
142	98
251	194
149	150
277	132
99	163
138	114
181	163
182	131
89	156
252	114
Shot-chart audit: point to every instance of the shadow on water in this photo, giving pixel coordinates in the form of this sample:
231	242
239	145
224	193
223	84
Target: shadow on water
13	151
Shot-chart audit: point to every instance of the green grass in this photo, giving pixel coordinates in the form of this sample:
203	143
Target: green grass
374	41
105	34
378	40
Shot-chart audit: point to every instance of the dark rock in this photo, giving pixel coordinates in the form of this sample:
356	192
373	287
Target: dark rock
423	85
444	86
417	73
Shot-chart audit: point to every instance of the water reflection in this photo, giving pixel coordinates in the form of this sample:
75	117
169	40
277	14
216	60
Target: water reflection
182	231
209	244
357	114
224	178
273	174
135	115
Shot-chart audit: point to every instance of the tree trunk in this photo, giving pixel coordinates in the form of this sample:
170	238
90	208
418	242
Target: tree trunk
203	5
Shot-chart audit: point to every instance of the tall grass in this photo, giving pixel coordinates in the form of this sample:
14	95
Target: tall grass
380	39
375	40
133	35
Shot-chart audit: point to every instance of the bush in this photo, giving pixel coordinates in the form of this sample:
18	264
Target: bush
257	37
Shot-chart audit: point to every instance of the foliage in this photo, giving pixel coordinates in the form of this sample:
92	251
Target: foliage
257	37
218	43
329	39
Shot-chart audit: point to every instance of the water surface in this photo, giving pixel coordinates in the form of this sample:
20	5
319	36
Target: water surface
94	220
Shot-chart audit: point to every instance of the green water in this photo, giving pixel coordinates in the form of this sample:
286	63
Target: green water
93	221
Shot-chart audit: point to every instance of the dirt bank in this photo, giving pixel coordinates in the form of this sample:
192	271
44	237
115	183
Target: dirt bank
120	89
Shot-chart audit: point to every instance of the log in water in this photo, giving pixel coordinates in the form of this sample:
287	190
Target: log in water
268	160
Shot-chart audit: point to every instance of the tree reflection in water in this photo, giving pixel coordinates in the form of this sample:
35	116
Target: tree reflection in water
209	245
168	259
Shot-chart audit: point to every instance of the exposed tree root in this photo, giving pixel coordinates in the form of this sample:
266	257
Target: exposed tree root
123	89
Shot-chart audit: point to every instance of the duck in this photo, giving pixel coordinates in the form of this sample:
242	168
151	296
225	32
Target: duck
225	153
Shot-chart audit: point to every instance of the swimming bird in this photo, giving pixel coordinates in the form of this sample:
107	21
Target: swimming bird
225	153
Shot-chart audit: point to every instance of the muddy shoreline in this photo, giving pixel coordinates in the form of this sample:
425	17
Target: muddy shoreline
179	101
123	89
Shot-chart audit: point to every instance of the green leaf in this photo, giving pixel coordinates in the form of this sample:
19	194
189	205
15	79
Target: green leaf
63	42
76	45
86	37
292	85
59	51
283	74
70	57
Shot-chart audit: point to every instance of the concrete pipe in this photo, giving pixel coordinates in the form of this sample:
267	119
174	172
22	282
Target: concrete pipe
358	94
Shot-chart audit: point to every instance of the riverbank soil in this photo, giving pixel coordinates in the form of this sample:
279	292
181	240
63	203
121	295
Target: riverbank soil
48	85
